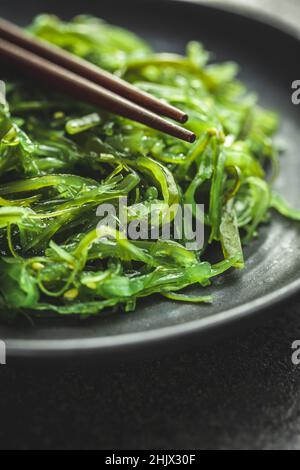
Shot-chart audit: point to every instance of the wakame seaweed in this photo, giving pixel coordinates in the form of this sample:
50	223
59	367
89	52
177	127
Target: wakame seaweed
61	159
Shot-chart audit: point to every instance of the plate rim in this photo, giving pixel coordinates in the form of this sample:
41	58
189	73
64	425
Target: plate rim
29	348
68	347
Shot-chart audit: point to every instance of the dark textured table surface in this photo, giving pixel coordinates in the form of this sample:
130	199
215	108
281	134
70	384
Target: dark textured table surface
240	392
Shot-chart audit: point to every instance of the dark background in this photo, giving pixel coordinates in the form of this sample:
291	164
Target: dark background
242	392
239	392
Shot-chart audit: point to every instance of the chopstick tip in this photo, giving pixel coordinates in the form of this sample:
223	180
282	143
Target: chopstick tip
183	118
191	137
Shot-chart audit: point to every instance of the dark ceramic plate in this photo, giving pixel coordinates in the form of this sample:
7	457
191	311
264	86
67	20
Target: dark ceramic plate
268	56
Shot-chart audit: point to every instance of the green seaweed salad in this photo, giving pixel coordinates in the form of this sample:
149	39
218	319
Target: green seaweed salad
60	159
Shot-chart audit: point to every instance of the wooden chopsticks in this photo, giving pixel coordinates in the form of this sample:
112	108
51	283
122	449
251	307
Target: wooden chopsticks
84	81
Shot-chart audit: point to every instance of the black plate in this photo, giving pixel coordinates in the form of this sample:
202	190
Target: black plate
268	56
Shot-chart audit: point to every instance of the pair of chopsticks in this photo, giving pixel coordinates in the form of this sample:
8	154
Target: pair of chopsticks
86	82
